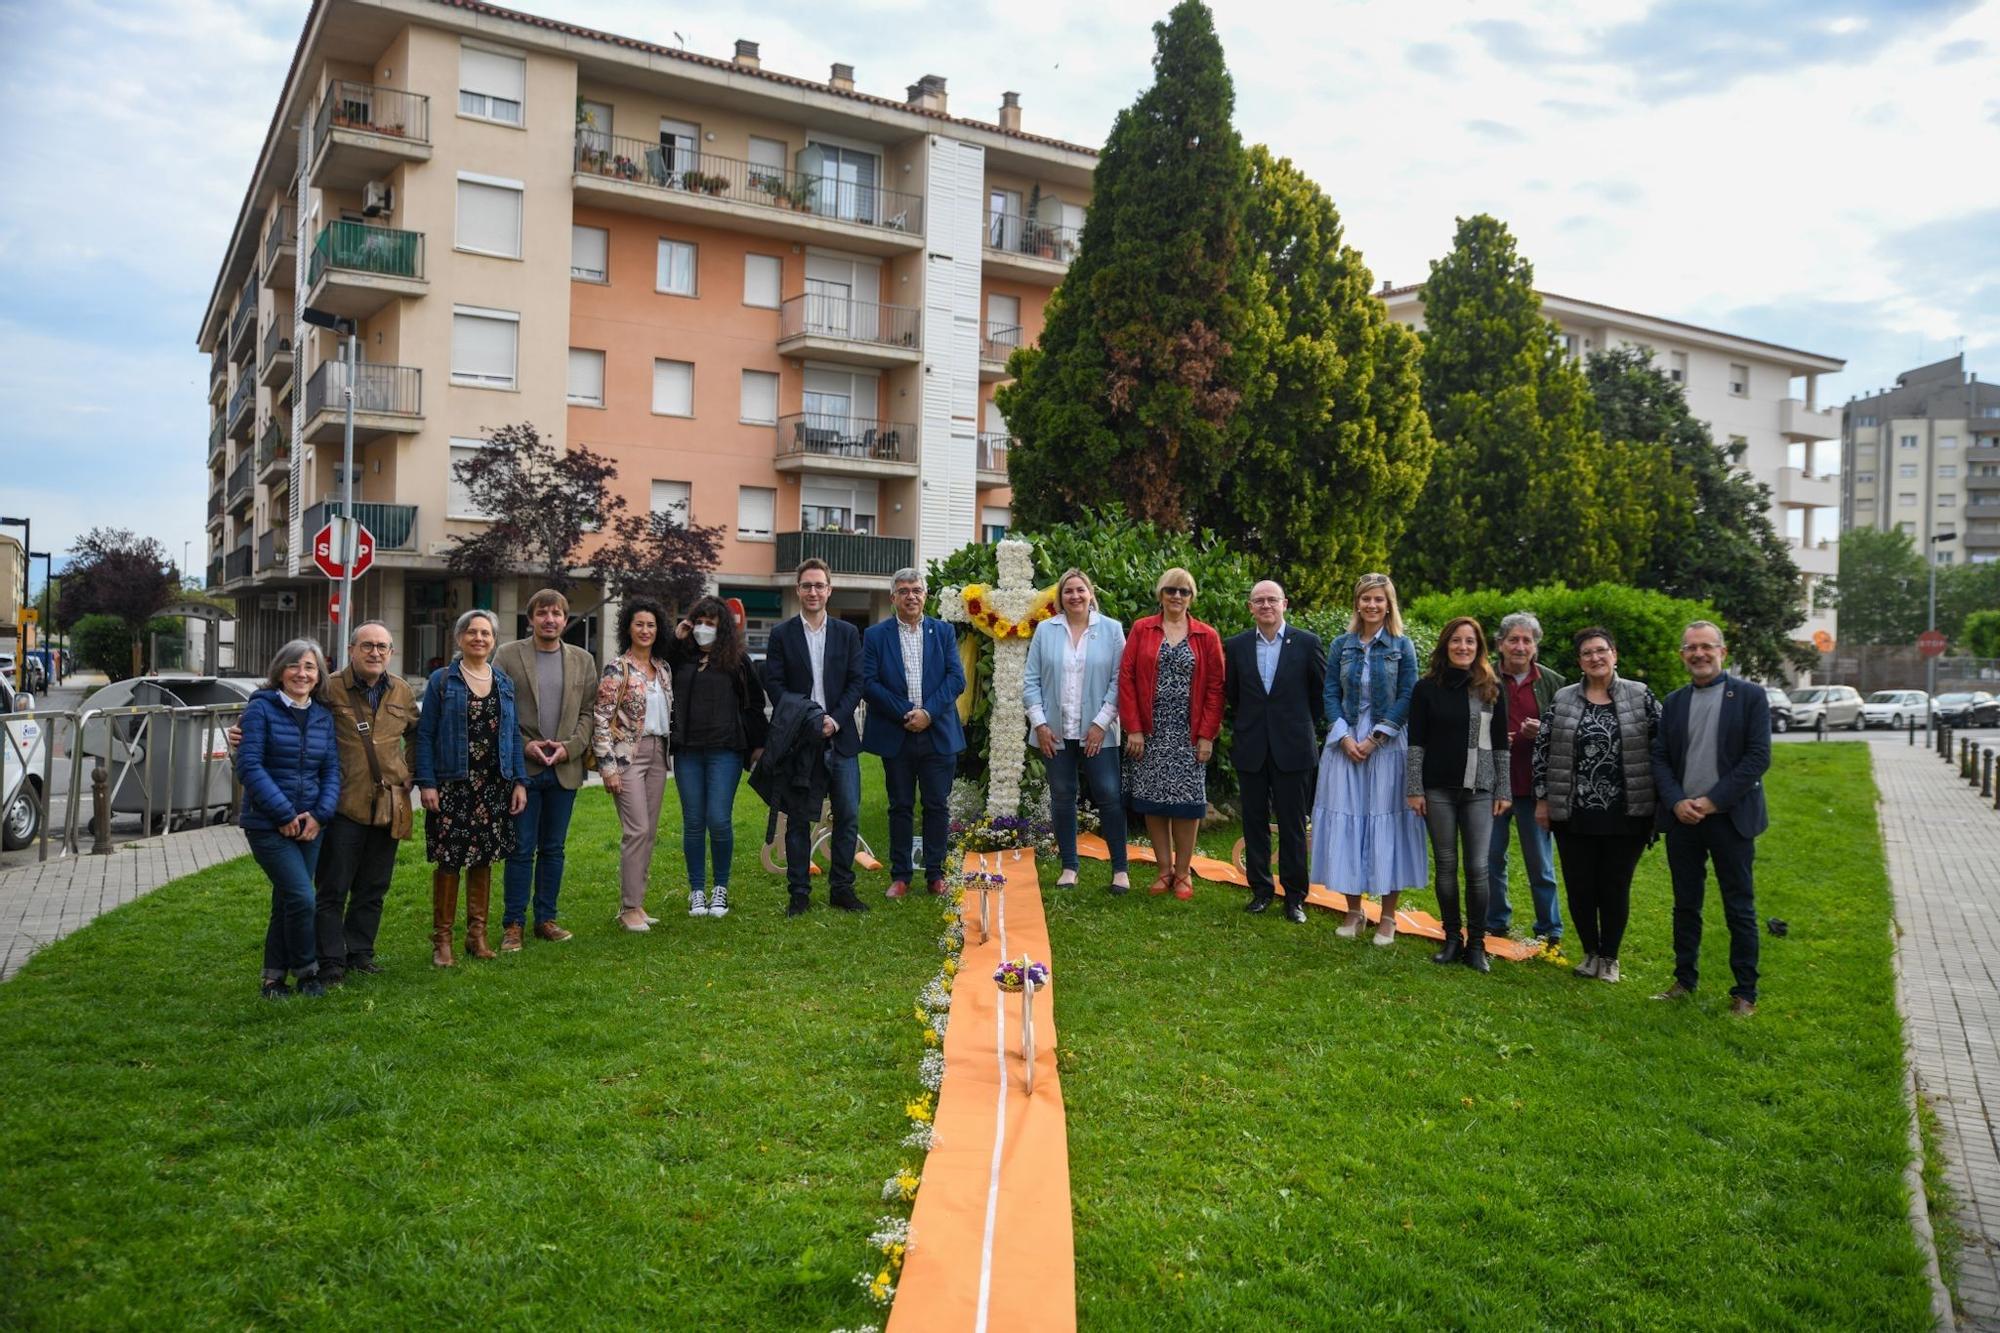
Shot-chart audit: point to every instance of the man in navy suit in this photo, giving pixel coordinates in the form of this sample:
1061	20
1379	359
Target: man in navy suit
912	676
1709	755
816	655
1274	684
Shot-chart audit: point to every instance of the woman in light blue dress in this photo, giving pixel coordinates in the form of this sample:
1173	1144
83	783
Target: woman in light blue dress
1365	838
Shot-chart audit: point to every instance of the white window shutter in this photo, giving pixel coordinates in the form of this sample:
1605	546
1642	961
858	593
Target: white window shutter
673	388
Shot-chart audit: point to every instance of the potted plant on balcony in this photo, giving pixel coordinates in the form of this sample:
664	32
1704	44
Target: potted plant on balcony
775	187
713	185
624	168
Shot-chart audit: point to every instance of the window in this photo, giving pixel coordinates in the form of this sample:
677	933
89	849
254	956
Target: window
458	499
491	84
1003	323
1004	229
1739	380
994	520
767	164
1907	527
1907	499
1947	442
1989	409
678	153
761	276
593	126
1863	419
1864	479
489	215
841	401
1908	442
675	274
1677	367
841	297
1944	557
1947	500
756	507
484	345
675	499
837	504
1906	469
759	397
673	388
846	182
586	377
1947	470
1572	346
590	253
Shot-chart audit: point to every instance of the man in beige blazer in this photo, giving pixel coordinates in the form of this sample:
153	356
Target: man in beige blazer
555	685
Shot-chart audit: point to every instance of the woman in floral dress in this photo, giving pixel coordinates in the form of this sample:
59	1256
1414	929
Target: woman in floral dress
1170	705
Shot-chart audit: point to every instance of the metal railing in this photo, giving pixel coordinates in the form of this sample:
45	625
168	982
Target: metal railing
242	400
999	341
215	504
1018	235
240	478
356	247
993	449
394	527
124	751
396	390
269	553
218	368
245	313
216	431
838	435
277	343
649	163
236	565
215	570
845	552
284	227
821	315
273	444
371	109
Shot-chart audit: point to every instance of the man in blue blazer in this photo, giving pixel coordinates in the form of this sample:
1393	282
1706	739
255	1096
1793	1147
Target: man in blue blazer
1274	683
1709	755
819	656
912	676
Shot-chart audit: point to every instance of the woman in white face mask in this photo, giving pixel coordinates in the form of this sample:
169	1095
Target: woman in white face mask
718	731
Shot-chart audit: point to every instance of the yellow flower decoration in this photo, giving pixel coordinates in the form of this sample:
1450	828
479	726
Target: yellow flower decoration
979	610
919	1109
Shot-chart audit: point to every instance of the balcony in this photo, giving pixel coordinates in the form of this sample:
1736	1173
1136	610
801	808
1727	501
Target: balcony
274	362
1983	452
236	565
242	319
993	451
1980	481
1799	422
217	433
1031	251
1815	557
394	527
846	552
215	573
853	332
357	269
388	400
218	375
242	405
240	478
362	133
271	555
847	446
997	342
274	450
1799	488
281	247
214	506
702	189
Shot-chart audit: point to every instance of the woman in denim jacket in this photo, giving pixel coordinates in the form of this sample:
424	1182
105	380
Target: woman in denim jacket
1071	695
469	770
1364	838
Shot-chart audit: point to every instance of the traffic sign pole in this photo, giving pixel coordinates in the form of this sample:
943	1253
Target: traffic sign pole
348	546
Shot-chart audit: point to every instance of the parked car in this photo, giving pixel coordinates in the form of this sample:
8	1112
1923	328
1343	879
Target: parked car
23	746
1968	708
1828	705
1896	709
1781	708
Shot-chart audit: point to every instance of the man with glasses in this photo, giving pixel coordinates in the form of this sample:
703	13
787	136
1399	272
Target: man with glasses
819	656
912	676
1274	684
1709	756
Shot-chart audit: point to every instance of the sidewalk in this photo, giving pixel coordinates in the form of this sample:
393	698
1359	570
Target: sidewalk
45	901
1943	843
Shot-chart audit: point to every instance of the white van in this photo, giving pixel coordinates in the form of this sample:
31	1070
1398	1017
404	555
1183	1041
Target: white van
23	746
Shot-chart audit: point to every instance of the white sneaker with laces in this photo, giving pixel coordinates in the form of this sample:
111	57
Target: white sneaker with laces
697	903
718	901
1588	967
1607	969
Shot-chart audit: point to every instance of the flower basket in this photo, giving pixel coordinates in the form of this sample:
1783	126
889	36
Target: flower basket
1015	973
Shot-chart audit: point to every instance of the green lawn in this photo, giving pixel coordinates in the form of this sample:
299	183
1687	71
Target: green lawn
1269	1127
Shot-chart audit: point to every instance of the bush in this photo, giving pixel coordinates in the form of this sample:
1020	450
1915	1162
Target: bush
1981	634
103	643
1647	625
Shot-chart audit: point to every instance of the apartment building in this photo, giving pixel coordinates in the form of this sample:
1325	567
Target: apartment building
1749	393
780	305
1924	457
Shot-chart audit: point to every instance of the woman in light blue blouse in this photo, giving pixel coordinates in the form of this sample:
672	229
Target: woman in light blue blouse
1072	699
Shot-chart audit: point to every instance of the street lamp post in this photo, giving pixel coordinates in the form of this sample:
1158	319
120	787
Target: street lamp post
1930	663
45	628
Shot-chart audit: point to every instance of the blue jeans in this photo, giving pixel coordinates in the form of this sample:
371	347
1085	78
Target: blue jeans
1101	773
1537	853
843	787
707	782
288	940
540	831
919	766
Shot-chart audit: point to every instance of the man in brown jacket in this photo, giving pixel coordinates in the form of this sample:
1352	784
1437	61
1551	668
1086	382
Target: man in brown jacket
555	689
373	715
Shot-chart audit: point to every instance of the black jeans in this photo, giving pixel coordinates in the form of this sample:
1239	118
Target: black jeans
1598	868
920	767
356	862
1453	816
1290	794
1690	850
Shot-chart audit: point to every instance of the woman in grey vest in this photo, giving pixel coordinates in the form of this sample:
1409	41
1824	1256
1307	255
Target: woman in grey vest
1594	790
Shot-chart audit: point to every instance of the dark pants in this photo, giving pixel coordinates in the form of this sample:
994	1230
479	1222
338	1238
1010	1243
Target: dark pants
356	862
919	766
288	939
1598	868
1538	857
1101	773
540	831
1290	795
843	788
1455	818
1690	851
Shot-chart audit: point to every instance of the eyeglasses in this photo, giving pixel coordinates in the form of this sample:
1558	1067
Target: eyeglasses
1701	647
814	587
1591	653
1177	592
371	647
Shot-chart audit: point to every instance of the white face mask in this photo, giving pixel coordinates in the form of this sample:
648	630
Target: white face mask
704	635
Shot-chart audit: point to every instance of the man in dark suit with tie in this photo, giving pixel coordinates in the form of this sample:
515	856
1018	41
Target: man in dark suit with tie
1274	685
912	676
819	656
1709	755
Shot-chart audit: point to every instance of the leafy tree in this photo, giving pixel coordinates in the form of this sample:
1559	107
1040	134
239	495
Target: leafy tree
1521	485
1339	449
103	643
1980	634
1155	343
653	555
1882	589
1964	590
543	502
116	573
1647	624
1713	539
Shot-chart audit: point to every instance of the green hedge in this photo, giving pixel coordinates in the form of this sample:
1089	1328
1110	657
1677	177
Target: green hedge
1646	624
1981	635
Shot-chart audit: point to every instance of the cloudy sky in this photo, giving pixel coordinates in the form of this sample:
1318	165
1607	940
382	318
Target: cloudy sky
1816	173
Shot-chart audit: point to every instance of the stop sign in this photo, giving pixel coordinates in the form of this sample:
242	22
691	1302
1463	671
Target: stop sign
327	549
1931	643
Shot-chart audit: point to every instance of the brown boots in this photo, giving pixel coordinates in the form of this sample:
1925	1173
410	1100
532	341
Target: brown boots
444	914
478	889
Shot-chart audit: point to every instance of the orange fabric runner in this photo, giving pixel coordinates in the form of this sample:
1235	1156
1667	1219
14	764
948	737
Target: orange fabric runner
991	1243
1317	895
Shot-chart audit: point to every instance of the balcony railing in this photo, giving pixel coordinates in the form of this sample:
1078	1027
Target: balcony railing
646	162
372	110
245	313
1014	234
360	248
821	315
396	390
845	552
284	228
993	450
215	504
269	553
236	565
215	435
837	435
218	369
239	480
394	527
215	572
277	342
999	342
242	400
273	444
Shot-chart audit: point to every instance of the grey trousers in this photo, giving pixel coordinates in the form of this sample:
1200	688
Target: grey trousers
1460	819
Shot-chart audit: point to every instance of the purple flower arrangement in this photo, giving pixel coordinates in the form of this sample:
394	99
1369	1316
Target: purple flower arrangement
1011	974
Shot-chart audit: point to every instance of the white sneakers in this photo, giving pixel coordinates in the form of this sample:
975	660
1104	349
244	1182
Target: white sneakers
1588	967
697	903
1607	969
718	901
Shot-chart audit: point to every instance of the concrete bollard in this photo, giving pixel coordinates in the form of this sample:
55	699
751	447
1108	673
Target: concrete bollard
1986	774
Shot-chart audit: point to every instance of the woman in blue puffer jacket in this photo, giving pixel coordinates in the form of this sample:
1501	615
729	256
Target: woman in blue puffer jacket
290	772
